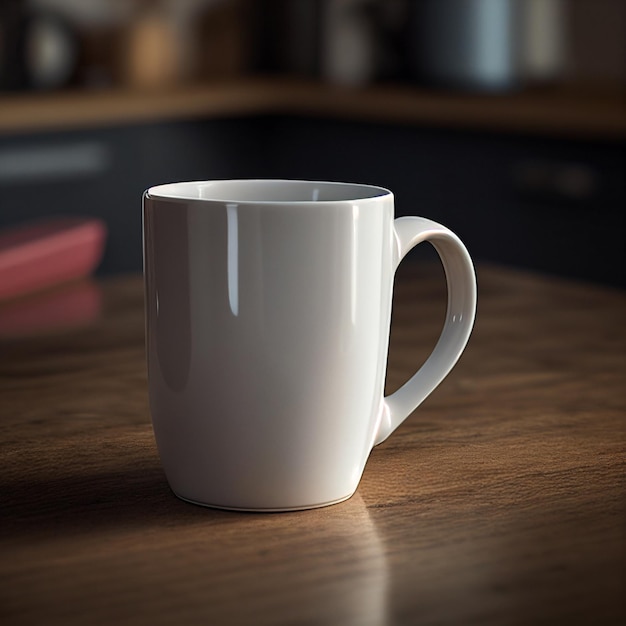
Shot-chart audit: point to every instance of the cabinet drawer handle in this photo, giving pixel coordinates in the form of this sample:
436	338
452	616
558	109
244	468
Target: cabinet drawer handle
46	163
560	181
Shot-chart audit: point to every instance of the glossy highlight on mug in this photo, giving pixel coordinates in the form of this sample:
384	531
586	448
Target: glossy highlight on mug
233	258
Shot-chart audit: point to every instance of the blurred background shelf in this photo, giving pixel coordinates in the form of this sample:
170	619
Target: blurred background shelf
90	109
506	113
549	111
558	111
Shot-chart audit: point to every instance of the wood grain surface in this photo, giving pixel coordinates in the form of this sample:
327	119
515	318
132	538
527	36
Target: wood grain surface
500	501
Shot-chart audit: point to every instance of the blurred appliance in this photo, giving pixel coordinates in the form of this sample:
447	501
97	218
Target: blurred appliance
38	47
465	43
349	48
543	40
152	53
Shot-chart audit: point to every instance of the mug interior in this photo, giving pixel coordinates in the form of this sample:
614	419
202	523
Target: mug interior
267	191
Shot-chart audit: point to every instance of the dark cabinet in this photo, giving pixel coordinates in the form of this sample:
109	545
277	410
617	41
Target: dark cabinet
102	173
552	205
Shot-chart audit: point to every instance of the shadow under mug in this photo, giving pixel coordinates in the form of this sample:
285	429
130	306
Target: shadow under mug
268	309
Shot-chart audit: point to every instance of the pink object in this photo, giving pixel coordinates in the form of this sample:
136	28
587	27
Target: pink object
42	254
72	306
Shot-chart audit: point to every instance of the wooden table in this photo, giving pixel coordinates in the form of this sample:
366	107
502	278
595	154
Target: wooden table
501	501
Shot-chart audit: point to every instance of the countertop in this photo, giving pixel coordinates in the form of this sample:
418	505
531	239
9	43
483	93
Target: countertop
574	112
500	501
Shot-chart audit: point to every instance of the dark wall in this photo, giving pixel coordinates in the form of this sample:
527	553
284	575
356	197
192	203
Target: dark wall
126	160
546	204
506	196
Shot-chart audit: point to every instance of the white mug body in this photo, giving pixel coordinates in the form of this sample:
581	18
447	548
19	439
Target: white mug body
268	309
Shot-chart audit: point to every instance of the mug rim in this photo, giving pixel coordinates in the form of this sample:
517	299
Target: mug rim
174	191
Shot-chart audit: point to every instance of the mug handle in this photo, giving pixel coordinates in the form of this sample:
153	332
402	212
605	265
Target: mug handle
461	280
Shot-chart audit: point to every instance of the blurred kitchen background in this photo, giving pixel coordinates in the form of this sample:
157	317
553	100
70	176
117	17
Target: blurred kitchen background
503	119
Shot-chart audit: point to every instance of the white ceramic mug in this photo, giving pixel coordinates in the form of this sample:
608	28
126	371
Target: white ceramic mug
268	308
